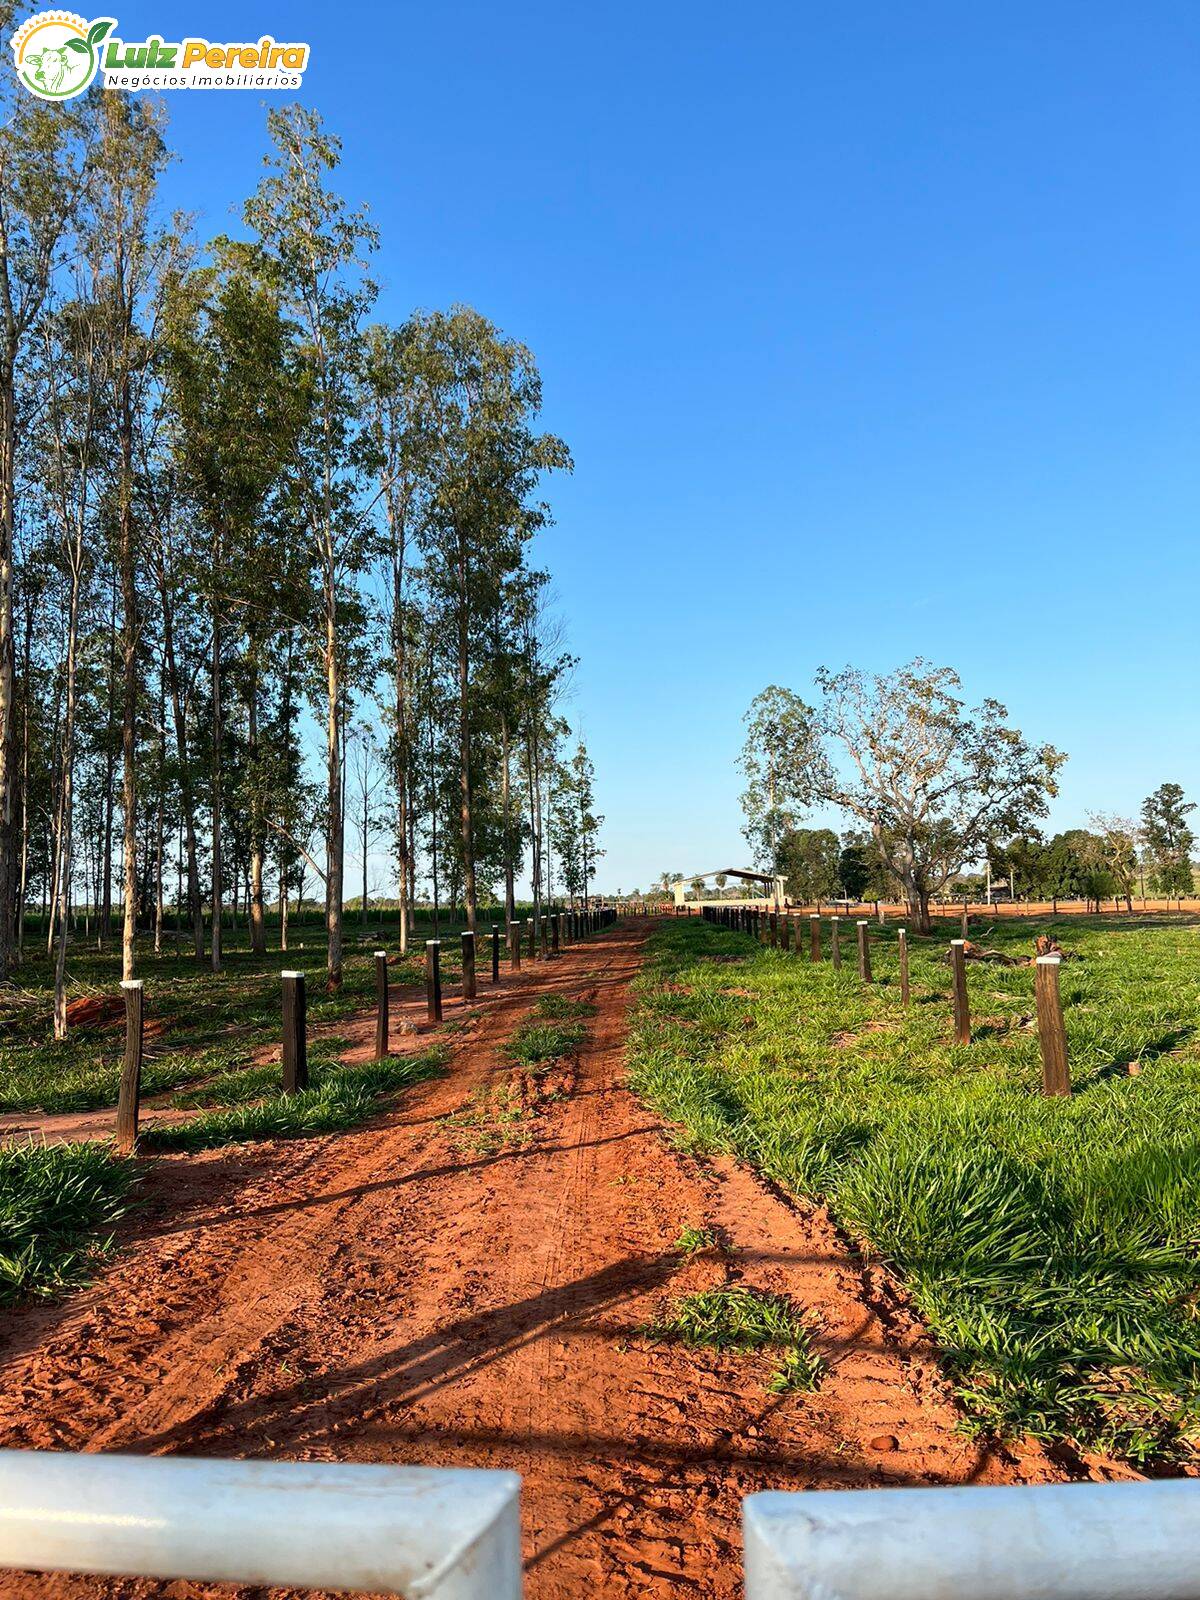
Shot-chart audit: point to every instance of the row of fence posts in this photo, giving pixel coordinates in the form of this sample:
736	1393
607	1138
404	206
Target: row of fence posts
778	930
547	934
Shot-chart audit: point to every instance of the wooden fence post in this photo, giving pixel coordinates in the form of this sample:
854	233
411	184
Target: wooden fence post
495	952
531	924
814	938
544	935
555	940
835	941
468	964
514	946
1052	1033
381	1005
433	980
295	1033
864	950
903	938
129	1093
774	930
966	920
962	1008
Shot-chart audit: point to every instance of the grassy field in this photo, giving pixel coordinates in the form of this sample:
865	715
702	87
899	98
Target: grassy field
209	1024
1051	1245
58	1204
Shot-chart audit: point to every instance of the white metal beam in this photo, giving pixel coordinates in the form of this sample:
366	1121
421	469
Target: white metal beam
1110	1541
422	1533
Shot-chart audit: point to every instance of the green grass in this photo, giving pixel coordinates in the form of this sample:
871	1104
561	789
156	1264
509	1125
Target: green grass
736	1317
243	1085
58	1205
496	1117
692	1241
554	1030
561	1006
337	1098
209	1023
1051	1245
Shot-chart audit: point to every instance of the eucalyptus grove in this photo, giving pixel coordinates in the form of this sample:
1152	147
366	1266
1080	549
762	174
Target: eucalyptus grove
240	510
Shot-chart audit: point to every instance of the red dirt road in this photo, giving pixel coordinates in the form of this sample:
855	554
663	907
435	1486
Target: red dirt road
410	1292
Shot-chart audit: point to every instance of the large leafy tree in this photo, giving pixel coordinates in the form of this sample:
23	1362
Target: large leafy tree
931	780
809	859
1169	839
776	727
1110	853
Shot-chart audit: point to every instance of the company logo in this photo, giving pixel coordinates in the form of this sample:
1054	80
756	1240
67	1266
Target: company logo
59	55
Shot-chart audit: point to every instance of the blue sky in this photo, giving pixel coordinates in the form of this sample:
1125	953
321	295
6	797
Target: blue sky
872	329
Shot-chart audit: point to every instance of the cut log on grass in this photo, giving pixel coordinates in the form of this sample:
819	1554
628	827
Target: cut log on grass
977	952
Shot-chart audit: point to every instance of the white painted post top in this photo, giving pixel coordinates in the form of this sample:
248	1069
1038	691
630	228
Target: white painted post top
1075	1541
131	983
290	974
1053	960
421	1533
382	953
958	941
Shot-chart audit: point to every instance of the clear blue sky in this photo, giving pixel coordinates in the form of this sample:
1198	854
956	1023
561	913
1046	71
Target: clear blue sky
873	330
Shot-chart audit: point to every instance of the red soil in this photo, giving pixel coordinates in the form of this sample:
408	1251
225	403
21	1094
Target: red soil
95	1011
395	1295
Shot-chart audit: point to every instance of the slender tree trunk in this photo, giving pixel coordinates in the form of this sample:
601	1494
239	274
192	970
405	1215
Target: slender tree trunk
464	747
186	790
400	669
160	821
258	929
218	887
129	682
8	665
335	840
289	780
510	900
109	772
433	829
366	841
63	865
23	876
